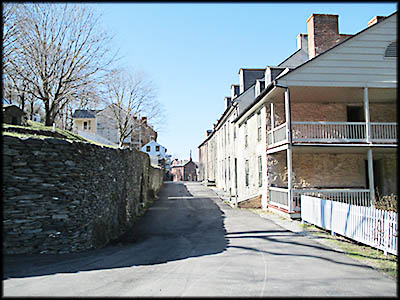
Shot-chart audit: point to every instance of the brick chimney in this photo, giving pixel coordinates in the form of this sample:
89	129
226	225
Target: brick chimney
323	33
375	20
144	120
209	132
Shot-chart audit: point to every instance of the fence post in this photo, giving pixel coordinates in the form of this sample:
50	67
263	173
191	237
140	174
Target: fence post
332	213
386	231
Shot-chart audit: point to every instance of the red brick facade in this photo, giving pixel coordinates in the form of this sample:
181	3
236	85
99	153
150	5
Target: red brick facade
183	171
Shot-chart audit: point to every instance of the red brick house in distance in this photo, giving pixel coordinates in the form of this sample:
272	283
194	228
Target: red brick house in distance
184	170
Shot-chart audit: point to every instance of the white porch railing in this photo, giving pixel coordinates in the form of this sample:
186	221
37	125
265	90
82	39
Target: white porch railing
280	196
384	132
328	131
350	196
334	132
277	136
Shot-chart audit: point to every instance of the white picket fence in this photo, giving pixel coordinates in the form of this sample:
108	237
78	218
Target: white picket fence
365	224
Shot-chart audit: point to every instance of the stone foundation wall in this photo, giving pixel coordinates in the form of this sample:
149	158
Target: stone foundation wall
254	202
61	196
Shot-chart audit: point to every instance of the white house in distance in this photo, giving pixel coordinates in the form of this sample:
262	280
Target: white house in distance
155	151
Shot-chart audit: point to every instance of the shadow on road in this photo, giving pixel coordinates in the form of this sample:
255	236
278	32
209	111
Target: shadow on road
182	223
176	227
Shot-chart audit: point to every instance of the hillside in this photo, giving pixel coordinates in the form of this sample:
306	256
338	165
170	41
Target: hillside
38	130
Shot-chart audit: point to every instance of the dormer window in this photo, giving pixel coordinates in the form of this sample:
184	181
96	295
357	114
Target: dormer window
391	50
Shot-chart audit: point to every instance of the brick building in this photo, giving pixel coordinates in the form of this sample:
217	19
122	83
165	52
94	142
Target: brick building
323	122
184	170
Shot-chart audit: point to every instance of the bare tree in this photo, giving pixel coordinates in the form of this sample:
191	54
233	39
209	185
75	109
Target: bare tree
11	24
60	51
131	95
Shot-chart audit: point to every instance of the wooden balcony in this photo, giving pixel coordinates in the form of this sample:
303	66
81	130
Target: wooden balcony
334	132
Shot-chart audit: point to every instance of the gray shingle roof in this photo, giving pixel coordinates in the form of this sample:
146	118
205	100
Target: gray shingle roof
84	113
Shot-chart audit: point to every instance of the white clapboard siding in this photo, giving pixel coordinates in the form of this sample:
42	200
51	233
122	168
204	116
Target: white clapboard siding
338	64
362	50
358	61
349	70
366	224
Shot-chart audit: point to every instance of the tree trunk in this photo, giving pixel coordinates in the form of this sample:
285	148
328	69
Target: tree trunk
22	97
49	117
32	107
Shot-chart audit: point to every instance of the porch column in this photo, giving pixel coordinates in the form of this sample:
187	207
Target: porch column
366	110
289	150
371	176
290	175
272	123
288	117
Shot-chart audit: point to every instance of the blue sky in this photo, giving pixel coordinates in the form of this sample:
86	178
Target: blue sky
193	51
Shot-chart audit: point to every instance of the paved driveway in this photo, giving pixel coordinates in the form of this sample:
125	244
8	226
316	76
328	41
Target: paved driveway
190	243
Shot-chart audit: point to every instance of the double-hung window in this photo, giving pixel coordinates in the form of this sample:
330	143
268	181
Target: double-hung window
245	135
259	126
247	171
260	171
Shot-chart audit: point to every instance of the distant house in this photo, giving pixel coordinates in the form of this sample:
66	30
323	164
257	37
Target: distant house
102	126
156	152
13	115
143	133
184	170
36	117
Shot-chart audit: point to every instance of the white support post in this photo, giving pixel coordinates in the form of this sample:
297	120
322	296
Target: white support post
288	117
371	176
272	122
290	175
367	117
289	150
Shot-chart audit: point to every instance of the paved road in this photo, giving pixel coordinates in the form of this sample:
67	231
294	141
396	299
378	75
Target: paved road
190	243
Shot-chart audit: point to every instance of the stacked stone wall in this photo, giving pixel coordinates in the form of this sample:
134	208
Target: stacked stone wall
61	196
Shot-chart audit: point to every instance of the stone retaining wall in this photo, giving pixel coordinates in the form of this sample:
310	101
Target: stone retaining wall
61	196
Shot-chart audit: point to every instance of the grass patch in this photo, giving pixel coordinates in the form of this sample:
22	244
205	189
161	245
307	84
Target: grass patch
25	135
39	130
368	255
